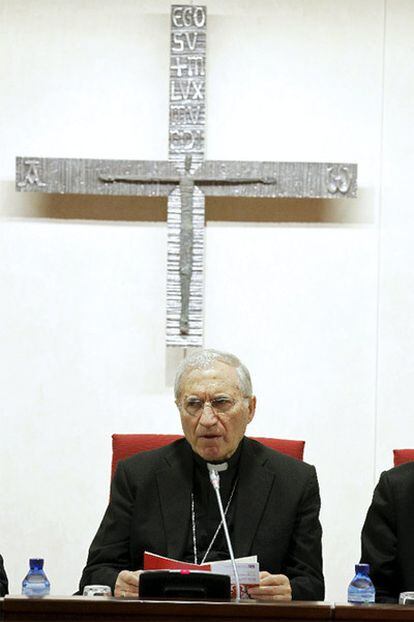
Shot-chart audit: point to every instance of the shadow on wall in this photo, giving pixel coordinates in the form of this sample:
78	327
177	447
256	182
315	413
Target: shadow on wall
154	209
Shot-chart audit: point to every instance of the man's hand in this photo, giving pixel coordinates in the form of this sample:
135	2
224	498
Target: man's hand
127	584
272	587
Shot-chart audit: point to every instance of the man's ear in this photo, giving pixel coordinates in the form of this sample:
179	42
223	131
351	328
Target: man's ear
252	408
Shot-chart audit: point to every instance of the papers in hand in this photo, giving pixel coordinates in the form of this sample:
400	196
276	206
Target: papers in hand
247	568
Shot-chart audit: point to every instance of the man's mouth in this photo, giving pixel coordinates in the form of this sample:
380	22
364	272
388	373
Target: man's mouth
209	437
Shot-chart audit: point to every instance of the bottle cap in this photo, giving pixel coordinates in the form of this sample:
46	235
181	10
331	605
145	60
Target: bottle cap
36	563
362	568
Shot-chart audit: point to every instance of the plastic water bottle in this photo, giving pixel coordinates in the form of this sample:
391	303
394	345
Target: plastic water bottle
36	584
361	589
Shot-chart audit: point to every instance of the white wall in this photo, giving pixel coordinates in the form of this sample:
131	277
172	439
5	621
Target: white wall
315	296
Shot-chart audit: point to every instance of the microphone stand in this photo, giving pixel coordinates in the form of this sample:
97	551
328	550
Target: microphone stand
215	480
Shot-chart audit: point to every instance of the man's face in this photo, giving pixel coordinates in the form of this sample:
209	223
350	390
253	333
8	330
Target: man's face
214	413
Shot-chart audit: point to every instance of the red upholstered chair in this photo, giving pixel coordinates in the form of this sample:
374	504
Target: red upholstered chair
403	455
125	445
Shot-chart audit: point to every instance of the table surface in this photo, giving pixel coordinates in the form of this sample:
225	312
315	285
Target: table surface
79	607
82	609
385	613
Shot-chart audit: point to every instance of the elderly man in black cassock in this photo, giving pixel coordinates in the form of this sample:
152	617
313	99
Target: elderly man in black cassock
162	500
388	534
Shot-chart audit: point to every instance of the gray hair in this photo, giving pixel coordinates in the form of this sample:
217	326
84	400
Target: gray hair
205	359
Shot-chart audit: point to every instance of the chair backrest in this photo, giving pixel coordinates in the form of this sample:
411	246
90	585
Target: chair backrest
125	445
403	455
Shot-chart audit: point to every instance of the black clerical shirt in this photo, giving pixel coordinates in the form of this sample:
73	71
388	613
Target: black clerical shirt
206	511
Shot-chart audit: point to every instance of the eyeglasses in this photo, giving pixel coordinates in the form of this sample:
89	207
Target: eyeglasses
221	404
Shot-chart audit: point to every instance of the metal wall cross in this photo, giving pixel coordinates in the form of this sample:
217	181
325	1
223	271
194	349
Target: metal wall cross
186	178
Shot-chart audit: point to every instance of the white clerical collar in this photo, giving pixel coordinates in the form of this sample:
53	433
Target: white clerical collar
222	466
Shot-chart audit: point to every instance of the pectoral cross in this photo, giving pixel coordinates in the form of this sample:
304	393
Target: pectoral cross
186	178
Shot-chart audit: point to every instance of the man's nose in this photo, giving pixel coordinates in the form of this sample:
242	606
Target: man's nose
208	416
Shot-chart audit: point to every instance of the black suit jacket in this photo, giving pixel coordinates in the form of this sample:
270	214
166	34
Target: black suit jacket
276	515
4	586
388	534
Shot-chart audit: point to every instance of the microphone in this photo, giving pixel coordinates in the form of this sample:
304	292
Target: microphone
213	470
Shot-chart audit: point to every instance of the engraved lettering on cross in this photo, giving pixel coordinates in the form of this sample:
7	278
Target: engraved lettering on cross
179	67
196	66
193	67
185	114
32	175
181	40
339	179
183	16
188	89
187	141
